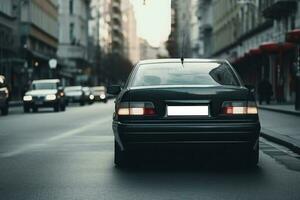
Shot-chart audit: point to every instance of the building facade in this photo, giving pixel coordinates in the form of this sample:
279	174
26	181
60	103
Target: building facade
184	27
73	40
11	63
38	23
131	39
205	17
252	34
116	26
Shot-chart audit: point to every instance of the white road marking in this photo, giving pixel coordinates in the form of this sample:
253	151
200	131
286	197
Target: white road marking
62	136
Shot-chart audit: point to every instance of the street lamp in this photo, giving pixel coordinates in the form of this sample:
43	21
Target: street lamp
52	65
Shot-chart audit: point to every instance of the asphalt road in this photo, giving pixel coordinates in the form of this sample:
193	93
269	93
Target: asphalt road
69	155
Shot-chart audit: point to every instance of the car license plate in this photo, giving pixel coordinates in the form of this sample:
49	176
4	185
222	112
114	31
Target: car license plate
187	110
39	102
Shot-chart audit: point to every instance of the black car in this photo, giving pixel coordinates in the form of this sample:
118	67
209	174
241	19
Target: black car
195	102
75	94
44	93
4	96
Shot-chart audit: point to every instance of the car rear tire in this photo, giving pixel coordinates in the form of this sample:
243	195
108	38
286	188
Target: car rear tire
56	107
4	110
26	109
63	107
253	156
121	157
82	103
35	109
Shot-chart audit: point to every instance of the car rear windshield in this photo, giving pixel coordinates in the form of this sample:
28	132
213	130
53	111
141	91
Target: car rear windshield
203	73
44	86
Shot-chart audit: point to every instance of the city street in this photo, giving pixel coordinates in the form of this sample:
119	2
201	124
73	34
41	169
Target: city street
69	155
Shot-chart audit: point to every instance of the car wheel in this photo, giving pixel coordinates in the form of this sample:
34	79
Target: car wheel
4	111
253	156
35	109
82	103
56	107
26	109
121	157
63	107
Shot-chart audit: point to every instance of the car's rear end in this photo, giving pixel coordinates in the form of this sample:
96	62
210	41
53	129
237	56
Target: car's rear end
4	94
202	114
75	94
100	94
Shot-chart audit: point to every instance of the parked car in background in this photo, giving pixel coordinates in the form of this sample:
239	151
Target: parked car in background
75	94
44	93
100	93
4	96
88	95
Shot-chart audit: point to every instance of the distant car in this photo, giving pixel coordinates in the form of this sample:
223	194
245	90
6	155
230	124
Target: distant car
4	96
100	93
44	93
88	95
195	103
75	94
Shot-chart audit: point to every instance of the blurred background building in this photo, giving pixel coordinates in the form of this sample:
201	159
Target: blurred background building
131	39
259	37
73	40
11	62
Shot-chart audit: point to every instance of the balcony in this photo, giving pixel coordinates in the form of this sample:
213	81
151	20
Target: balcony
280	8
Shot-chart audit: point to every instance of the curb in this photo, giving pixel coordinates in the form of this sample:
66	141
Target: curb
281	139
296	113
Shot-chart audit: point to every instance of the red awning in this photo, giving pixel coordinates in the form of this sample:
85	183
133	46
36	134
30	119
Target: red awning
293	36
273	47
270	47
255	51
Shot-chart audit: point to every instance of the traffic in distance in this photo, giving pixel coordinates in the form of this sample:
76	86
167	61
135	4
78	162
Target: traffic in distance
173	103
49	93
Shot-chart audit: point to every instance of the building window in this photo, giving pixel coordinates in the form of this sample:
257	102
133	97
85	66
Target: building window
71	7
71	33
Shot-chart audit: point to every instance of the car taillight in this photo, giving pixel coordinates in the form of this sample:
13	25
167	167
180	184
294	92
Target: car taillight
136	109
239	107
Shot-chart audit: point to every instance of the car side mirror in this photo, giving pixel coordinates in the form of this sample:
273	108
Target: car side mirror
251	88
114	89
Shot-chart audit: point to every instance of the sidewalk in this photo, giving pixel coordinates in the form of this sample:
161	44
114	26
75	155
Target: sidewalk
287	109
281	124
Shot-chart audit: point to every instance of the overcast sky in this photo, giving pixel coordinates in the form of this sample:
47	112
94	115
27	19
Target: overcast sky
153	20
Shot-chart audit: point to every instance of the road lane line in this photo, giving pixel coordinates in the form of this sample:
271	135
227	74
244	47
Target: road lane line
64	135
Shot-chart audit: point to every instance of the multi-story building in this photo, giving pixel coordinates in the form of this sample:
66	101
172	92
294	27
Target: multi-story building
183	16
147	51
10	61
39	36
194	29
252	34
171	44
205	17
116	26
131	40
73	39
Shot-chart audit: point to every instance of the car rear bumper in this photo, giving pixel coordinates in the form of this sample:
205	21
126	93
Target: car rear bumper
129	135
74	99
43	104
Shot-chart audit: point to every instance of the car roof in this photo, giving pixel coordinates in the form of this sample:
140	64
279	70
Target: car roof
99	88
178	60
73	87
46	81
